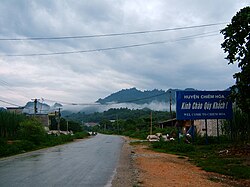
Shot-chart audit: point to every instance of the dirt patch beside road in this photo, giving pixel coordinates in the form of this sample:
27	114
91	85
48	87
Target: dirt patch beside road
140	166
160	169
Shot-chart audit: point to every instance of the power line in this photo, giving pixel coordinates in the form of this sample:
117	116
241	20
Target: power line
4	82
111	34
201	35
8	87
6	102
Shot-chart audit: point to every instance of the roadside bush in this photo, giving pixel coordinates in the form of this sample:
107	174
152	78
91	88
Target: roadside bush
11	150
80	135
183	148
65	138
16	147
136	134
173	147
2	141
33	131
2	149
25	145
52	140
201	140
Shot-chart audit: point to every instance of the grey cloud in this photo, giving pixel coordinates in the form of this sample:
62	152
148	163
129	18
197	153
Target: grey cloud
197	63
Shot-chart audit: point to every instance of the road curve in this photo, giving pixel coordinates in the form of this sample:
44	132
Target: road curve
89	162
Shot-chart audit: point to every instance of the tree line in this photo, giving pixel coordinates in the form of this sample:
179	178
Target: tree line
20	133
120	113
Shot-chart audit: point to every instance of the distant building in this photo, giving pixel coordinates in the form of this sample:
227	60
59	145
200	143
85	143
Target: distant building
43	118
52	120
16	110
167	123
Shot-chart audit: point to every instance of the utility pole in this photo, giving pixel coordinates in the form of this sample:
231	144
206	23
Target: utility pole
218	131
206	132
170	104
170	107
151	125
59	117
35	106
67	126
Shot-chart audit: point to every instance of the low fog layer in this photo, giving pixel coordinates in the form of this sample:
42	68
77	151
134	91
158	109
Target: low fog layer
88	109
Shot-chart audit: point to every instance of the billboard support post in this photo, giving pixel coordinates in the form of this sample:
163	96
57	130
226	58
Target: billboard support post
218	132
206	132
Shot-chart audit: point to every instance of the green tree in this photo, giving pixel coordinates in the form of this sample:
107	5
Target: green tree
32	130
75	127
236	44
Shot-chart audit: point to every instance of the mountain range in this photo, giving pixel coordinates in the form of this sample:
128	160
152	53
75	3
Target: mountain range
136	96
126	98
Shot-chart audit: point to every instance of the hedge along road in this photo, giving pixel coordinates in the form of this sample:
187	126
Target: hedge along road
89	162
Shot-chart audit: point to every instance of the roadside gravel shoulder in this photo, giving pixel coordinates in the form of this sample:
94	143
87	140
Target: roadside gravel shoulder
139	166
126	173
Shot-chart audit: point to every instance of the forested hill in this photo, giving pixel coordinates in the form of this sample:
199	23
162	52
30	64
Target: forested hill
134	95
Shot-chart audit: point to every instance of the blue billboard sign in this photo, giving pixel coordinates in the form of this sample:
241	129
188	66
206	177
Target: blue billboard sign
192	105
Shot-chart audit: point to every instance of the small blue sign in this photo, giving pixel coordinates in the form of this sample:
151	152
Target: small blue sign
192	105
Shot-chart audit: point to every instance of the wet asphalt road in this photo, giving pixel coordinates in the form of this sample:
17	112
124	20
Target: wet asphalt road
89	162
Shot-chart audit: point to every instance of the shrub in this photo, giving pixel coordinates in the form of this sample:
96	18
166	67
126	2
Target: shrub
80	135
33	131
2	141
174	147
25	145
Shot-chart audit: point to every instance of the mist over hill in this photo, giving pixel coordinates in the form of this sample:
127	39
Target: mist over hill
132	98
127	99
136	96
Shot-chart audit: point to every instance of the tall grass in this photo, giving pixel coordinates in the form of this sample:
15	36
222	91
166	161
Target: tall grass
9	123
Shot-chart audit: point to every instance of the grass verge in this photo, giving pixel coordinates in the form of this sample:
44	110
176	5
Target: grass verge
8	148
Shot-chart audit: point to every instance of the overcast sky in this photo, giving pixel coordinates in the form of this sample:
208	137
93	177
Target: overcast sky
197	61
